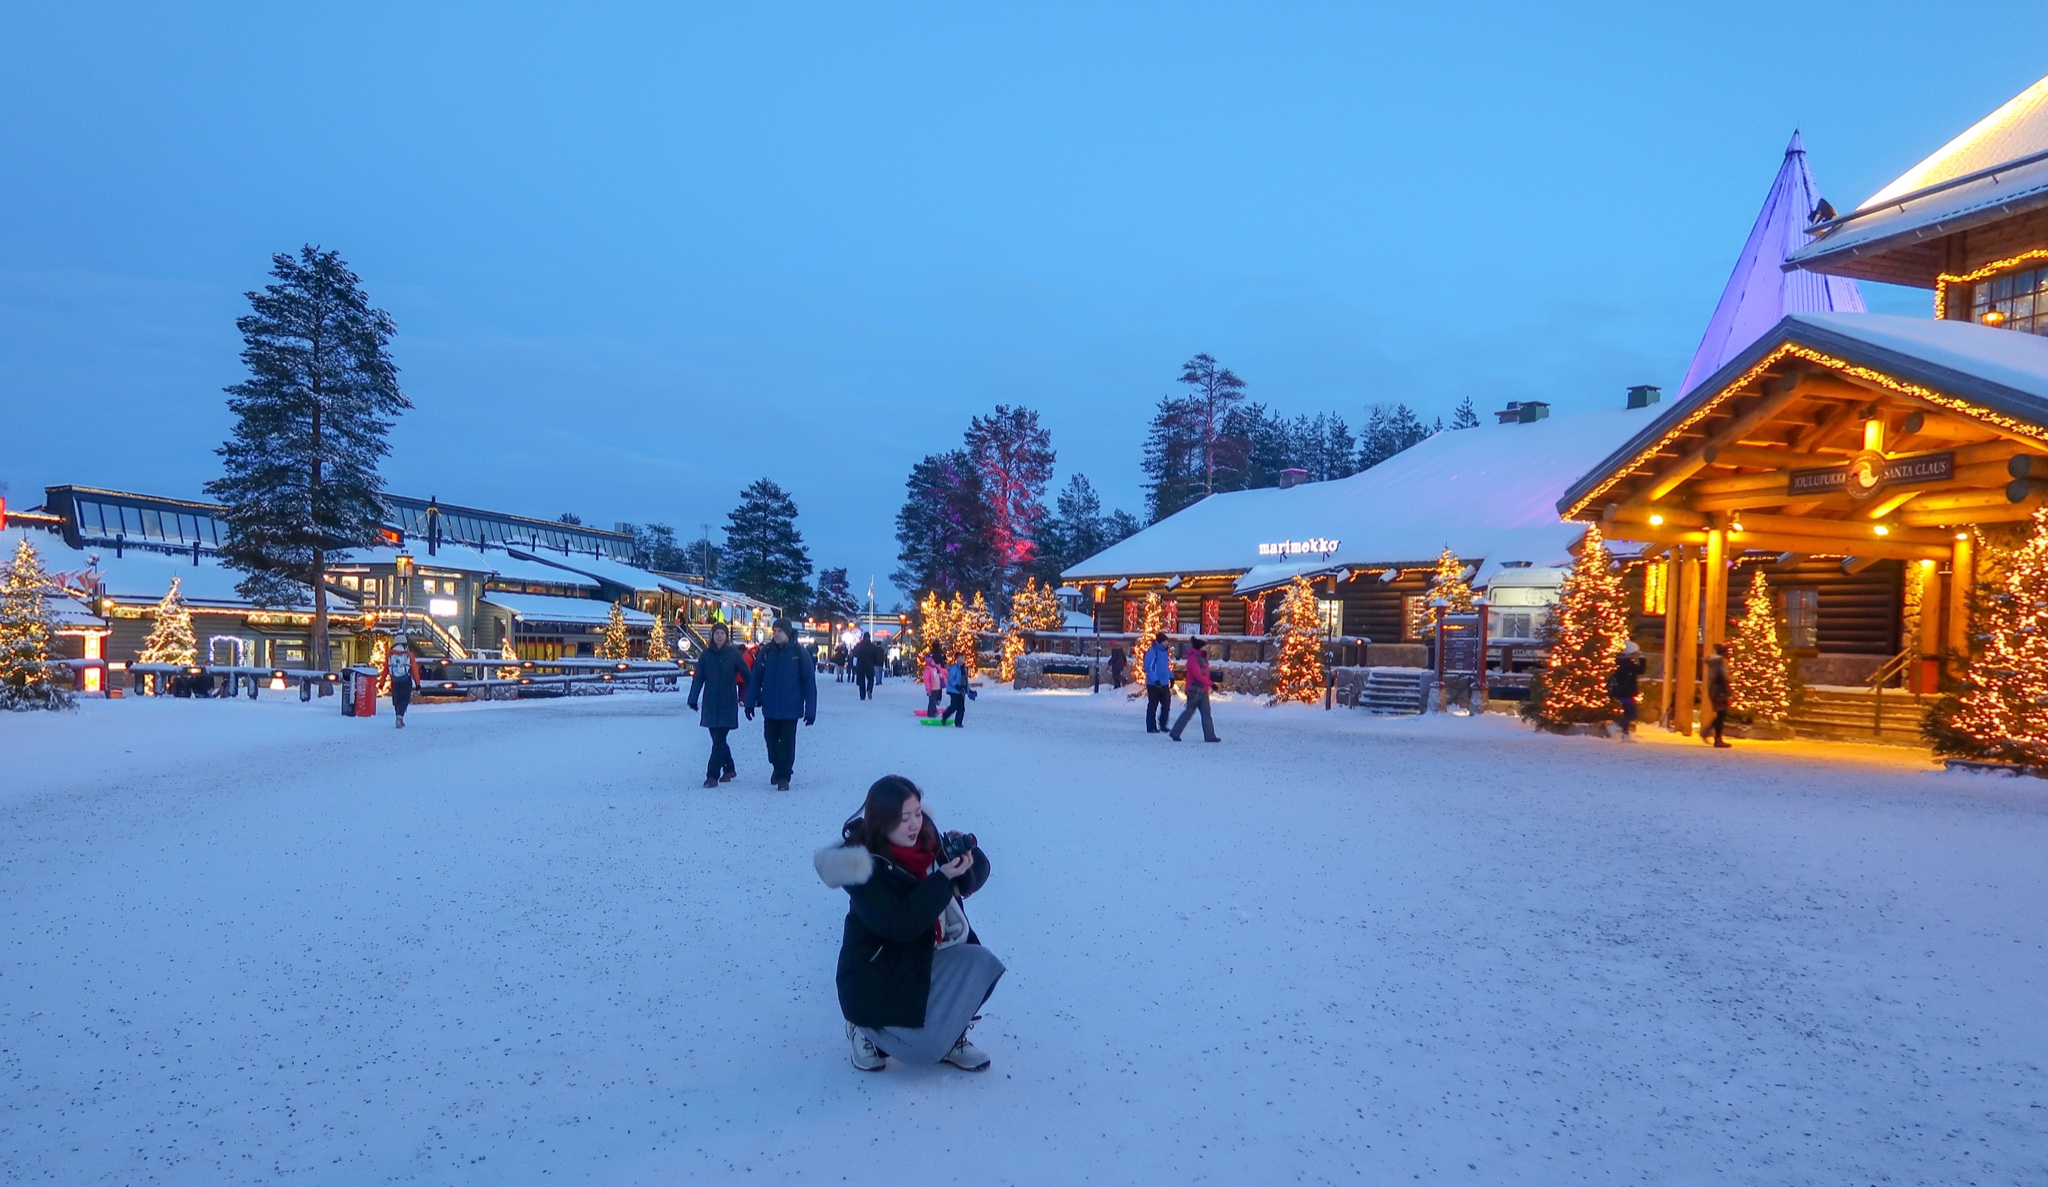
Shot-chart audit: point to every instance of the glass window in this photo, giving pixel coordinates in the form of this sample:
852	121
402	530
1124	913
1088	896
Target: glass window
1802	617
1331	611
153	524
2014	301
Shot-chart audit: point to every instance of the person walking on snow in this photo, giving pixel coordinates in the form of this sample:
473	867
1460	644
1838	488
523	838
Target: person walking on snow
934	680
716	685
1718	695
403	672
1624	684
866	654
911	973
1198	686
957	692
1117	661
784	687
1158	686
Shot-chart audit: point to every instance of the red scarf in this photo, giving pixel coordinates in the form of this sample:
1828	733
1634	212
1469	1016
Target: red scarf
919	863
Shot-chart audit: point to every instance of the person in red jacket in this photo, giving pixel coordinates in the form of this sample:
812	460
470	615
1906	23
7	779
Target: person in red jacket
1197	685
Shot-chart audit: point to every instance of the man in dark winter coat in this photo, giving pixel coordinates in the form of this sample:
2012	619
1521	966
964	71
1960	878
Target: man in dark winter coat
1625	684
1158	686
716	685
867	654
784	687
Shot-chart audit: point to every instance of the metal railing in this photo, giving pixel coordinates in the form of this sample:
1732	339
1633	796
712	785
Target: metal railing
1889	670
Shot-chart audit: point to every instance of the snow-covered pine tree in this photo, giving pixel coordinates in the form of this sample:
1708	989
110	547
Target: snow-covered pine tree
1587	627
1759	670
764	553
300	474
658	650
617	643
1034	608
1298	671
1449	584
27	678
834	600
2002	713
171	640
975	621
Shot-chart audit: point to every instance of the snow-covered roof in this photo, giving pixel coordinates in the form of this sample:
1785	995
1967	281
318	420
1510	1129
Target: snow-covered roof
581	611
139	575
2003	370
595	569
1996	168
493	562
1760	291
1487	493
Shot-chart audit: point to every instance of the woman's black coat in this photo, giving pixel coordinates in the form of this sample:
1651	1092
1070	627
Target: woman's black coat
885	954
716	684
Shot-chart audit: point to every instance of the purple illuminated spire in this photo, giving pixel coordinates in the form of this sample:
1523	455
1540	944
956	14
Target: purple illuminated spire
1760	291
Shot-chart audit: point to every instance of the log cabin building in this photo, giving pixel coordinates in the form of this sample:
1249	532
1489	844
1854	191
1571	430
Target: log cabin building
1866	462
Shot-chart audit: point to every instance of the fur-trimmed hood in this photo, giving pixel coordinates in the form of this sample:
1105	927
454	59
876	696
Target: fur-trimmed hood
841	866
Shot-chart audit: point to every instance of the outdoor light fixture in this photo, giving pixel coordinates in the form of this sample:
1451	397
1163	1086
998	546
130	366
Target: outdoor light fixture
1656	521
1881	530
1735	526
1994	317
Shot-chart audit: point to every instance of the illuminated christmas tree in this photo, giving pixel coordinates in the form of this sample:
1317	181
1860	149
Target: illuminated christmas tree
1034	608
934	628
1449	584
616	644
27	680
2002	711
1298	672
974	622
1759	671
171	640
1587	627
658	650
507	653
1151	622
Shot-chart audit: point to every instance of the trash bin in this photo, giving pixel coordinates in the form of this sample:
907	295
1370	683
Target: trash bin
359	691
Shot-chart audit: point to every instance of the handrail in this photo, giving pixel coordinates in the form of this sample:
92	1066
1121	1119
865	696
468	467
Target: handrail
450	645
1890	668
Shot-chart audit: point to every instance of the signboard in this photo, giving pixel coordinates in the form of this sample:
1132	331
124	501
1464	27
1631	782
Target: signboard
1869	472
1316	545
1460	644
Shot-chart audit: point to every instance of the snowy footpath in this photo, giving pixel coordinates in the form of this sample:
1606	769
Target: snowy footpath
515	943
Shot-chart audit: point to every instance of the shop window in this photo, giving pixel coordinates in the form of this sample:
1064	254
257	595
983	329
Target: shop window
1802	618
2015	301
1654	593
1330	612
1212	615
1415	623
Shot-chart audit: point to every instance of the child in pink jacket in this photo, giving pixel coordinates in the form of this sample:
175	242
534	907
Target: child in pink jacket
934	681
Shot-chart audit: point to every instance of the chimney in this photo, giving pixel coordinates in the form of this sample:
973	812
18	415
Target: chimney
1643	395
1523	412
1292	476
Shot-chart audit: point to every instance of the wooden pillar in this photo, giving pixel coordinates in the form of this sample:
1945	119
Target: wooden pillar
1961	576
1926	640
1685	626
1665	690
1714	599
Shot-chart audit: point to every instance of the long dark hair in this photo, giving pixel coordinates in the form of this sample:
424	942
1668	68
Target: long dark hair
870	827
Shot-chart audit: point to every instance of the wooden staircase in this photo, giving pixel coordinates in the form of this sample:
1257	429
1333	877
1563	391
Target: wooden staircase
1395	691
1862	715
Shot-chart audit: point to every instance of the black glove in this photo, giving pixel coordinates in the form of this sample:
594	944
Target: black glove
810	721
750	713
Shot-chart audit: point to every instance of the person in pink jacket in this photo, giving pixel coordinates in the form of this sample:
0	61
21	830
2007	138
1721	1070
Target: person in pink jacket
934	681
1196	686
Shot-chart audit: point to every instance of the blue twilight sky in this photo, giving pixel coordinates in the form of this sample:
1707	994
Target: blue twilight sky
641	255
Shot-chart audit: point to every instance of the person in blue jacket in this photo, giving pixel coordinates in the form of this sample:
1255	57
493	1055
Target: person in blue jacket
957	692
1158	686
783	686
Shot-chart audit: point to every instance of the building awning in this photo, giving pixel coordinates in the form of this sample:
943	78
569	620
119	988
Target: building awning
531	608
1263	577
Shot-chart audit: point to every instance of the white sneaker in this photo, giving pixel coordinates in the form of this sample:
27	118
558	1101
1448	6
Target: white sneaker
866	1056
967	1057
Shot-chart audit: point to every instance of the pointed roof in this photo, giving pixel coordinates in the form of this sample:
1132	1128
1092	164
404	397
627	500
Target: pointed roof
1760	292
1996	169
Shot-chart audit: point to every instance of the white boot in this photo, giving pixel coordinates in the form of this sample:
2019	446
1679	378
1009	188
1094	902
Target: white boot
966	1056
866	1056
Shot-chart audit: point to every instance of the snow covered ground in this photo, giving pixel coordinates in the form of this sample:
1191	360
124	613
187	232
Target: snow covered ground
260	942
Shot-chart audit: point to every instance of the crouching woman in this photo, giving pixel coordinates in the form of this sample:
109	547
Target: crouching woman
912	972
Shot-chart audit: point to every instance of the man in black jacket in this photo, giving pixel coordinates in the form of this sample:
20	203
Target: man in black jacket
867	655
717	685
784	687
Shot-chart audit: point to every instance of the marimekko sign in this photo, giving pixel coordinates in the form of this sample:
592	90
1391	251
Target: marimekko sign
1869	472
1286	548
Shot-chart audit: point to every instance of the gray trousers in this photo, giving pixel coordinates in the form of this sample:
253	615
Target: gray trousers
1197	702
